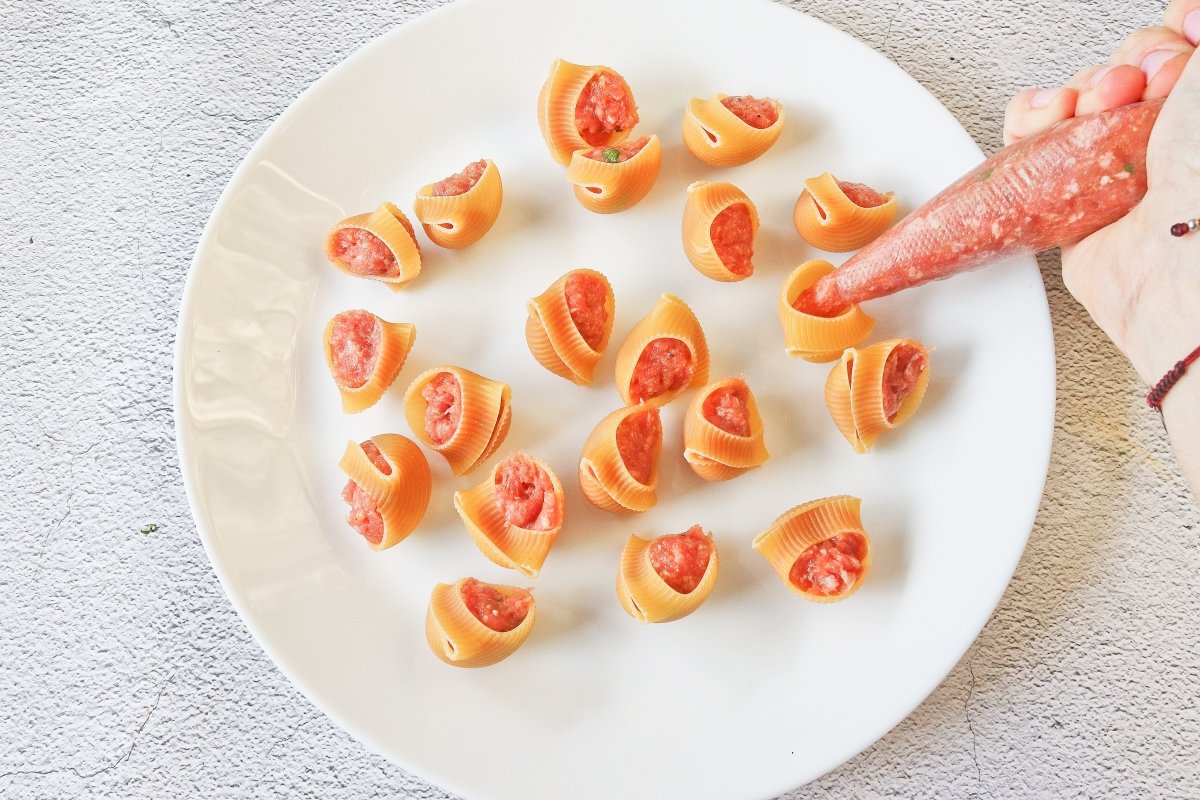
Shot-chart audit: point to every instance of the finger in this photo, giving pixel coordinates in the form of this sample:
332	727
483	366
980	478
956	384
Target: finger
1166	77
1108	86
1034	110
1152	50
1183	17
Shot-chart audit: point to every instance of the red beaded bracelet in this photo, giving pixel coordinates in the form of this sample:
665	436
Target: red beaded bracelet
1155	398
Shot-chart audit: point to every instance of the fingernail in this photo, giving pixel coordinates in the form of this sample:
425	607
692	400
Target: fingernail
1042	97
1153	62
1099	75
1191	27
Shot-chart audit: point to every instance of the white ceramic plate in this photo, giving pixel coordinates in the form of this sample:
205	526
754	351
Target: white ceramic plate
758	691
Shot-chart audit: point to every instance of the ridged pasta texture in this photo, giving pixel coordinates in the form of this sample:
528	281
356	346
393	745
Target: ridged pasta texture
813	338
716	453
461	219
556	341
855	392
604	476
706	200
485	414
670	319
395	341
809	524
830	220
718	137
401	496
644	594
556	109
389	224
607	188
457	637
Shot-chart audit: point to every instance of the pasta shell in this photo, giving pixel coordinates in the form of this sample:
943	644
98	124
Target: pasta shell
716	454
461	219
521	548
705	201
457	637
717	136
813	338
855	394
806	525
388	224
402	496
555	339
604	476
671	318
607	188
556	109
643	593
844	225
395	341
485	417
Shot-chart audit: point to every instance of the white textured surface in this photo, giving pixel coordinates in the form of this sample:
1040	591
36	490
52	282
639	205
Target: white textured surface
124	672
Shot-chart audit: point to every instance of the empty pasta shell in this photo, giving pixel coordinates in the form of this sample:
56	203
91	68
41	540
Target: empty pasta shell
466	438
458	637
488	514
827	573
458	220
876	389
723	431
827	218
400	495
556	340
559	108
381	246
365	353
813	338
719	226
608	186
664	353
609	481
719	137
646	595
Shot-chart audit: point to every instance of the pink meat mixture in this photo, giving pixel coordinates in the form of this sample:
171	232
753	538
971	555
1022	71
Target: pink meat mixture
681	559
729	409
618	153
354	345
901	372
751	110
732	234
499	608
586	298
364	514
861	195
364	253
460	182
443	407
605	106
831	567
525	494
639	438
664	366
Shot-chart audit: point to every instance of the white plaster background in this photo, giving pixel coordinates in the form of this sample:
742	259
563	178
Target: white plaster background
124	671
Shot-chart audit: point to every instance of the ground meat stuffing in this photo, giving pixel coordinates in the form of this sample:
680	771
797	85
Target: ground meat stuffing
364	253
443	410
460	182
831	567
732	235
681	559
639	437
499	608
586	296
754	112
664	366
525	494
861	195
901	371
618	153
364	514
728	408
354	347
604	107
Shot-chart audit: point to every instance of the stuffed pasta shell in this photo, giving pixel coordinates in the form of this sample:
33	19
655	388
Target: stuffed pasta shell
365	354
614	178
381	246
618	469
667	578
460	415
838	216
876	389
584	106
719	226
819	549
570	323
460	209
663	354
388	488
726	131
475	624
813	338
723	431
